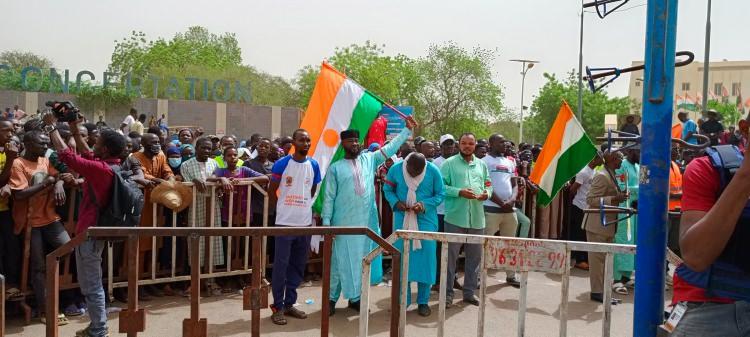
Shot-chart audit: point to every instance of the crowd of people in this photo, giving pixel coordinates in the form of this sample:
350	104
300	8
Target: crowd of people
453	185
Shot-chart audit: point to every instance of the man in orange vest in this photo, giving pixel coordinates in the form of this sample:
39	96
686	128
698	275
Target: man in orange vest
675	196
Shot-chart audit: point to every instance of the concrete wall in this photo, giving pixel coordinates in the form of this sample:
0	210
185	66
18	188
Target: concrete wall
238	119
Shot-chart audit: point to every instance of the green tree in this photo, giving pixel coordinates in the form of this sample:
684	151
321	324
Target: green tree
195	47
17	59
547	103
728	112
392	78
451	89
200	54
457	86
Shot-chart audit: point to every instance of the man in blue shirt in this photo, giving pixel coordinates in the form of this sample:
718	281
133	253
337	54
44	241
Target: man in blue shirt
689	128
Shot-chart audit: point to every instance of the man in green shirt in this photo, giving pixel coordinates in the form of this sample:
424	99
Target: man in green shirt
467	186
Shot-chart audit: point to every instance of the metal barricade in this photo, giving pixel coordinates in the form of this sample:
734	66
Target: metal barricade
255	297
155	277
2	305
504	253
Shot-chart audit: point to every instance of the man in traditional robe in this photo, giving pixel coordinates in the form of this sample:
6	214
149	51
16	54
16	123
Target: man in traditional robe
414	188
350	201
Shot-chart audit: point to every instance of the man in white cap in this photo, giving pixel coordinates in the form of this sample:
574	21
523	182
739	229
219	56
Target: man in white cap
447	150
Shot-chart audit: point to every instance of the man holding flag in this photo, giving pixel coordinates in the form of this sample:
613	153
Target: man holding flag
350	201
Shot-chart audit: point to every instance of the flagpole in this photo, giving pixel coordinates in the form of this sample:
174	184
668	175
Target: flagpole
707	51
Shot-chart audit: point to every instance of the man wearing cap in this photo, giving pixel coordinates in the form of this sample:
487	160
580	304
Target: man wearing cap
447	150
689	128
350	201
712	127
603	190
418	144
467	186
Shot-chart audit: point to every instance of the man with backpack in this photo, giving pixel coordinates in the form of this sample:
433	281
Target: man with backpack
92	166
712	286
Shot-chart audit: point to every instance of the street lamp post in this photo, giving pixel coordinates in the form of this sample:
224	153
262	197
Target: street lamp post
525	66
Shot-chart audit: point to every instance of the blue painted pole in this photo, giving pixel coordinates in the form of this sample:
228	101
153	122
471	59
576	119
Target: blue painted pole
658	93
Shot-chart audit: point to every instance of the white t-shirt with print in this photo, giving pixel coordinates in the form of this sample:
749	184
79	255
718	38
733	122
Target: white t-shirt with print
502	170
296	179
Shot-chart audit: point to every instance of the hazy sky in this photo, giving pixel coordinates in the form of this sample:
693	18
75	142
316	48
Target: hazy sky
281	36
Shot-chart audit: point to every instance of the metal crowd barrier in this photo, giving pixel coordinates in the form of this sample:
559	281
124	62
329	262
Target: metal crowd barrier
504	253
255	297
2	305
155	278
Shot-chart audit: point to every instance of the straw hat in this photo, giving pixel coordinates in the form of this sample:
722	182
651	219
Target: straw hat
636	119
173	195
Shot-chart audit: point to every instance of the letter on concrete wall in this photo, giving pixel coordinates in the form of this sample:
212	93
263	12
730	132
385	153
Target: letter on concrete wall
80	76
173	88
130	88
226	93
55	79
191	87
155	85
242	94
24	78
107	78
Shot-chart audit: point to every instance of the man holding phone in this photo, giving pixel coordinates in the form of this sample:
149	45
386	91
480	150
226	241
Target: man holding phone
467	186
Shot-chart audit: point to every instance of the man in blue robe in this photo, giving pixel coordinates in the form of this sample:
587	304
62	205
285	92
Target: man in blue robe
350	201
414	188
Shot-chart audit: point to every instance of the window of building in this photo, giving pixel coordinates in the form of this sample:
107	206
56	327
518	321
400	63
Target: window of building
735	89
685	86
637	83
717	88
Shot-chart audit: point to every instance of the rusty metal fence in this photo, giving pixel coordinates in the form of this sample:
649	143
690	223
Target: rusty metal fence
503	253
255	297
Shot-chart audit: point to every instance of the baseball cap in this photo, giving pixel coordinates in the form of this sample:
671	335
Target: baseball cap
446	137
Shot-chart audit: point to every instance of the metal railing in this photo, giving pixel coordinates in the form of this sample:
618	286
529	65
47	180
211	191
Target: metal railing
242	250
504	253
255	297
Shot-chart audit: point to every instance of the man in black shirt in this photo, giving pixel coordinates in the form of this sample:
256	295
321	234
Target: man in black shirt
712	127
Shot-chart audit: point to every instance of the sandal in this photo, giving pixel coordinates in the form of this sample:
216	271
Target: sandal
620	288
61	320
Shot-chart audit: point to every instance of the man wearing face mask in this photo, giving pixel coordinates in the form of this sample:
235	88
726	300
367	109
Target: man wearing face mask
155	169
350	201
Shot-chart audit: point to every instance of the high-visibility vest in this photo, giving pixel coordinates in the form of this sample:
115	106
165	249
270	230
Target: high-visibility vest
675	186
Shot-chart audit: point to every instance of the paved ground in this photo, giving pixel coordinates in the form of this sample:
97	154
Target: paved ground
226	318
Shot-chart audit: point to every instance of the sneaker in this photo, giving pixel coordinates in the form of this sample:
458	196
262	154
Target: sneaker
513	281
87	333
448	301
294	312
424	310
457	285
278	316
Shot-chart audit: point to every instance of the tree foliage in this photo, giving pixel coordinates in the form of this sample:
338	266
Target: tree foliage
197	53
458	93
17	59
451	89
727	111
547	103
195	47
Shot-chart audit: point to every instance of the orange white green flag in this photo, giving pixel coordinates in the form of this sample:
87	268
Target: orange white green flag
337	104
566	151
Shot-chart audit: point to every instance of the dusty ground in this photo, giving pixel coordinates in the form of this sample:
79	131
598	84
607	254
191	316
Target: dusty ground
226	318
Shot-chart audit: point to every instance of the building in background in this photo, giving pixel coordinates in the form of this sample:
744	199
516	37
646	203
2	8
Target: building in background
728	81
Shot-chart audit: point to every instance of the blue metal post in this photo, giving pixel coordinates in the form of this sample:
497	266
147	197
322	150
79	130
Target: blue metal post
661	26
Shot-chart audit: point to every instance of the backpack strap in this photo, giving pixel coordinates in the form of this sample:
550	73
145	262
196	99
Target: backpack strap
115	169
727	159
